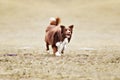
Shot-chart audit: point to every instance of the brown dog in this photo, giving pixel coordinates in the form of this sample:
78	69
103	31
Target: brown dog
57	36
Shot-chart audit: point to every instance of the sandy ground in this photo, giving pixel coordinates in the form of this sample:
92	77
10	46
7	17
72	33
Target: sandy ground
93	53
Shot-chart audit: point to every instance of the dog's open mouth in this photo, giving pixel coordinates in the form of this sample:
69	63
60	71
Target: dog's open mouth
68	35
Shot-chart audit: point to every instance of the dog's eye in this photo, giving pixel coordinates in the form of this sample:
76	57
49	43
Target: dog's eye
69	29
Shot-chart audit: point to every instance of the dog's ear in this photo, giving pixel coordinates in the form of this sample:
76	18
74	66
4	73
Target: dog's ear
62	28
71	26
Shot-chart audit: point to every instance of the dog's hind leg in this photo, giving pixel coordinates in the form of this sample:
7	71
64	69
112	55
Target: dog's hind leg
54	49
47	48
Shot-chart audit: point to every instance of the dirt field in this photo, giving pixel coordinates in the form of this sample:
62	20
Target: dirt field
93	53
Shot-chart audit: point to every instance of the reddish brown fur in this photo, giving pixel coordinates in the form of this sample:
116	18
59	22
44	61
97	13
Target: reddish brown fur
56	33
55	22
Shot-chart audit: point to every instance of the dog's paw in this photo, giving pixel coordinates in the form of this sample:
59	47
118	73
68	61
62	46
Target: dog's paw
48	51
57	54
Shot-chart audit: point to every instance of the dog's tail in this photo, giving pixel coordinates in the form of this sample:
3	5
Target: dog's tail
55	21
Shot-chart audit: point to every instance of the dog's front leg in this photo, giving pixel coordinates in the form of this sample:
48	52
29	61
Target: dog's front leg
61	46
58	53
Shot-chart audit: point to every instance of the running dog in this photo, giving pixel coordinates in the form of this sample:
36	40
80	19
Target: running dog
58	36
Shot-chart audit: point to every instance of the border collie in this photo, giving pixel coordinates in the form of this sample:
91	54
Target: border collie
57	36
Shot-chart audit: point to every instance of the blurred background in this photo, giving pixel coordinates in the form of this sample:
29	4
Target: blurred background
96	22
